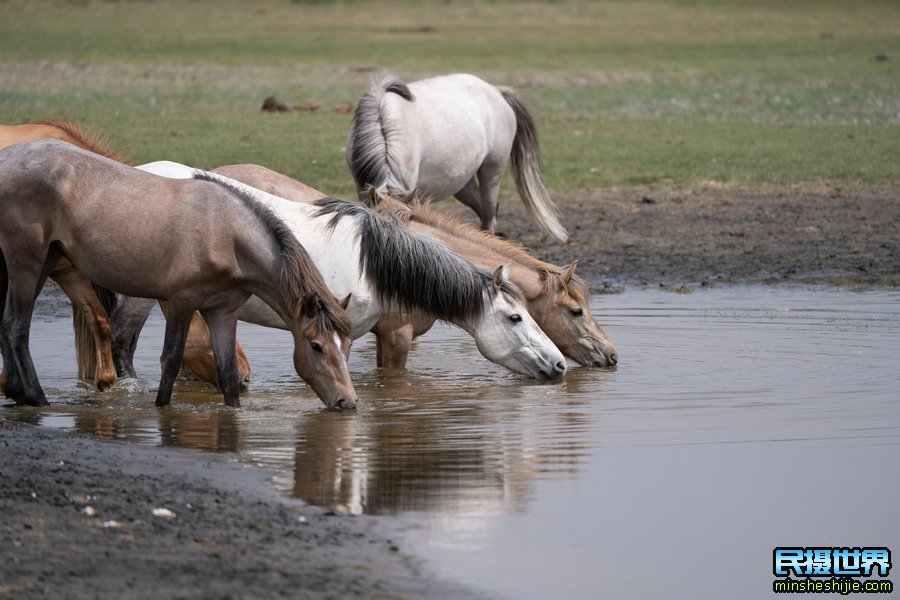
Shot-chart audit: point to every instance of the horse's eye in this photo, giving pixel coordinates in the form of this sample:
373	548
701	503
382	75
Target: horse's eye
316	347
515	317
577	312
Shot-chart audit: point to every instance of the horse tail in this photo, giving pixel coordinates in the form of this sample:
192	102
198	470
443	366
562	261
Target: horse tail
526	166
85	344
372	152
90	140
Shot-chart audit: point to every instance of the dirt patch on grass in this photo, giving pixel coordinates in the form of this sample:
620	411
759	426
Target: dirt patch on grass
820	231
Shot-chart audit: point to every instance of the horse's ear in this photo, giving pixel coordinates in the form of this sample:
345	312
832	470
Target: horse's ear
568	272
310	306
346	301
501	274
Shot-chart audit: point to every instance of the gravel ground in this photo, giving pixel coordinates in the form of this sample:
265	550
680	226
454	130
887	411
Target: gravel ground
89	519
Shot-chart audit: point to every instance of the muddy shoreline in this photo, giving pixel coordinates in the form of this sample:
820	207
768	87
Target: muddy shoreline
78	513
820	232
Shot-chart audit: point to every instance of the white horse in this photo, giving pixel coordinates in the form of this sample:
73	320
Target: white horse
449	136
385	267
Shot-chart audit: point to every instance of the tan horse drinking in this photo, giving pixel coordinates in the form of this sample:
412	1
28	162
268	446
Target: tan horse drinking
92	304
200	245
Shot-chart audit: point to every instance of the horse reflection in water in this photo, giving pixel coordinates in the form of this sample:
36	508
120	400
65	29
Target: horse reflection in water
208	431
455	457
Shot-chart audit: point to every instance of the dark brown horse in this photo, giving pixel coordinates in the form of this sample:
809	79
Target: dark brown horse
200	245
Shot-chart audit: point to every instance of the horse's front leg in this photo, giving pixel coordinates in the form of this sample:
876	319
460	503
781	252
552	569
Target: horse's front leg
223	329
92	347
25	276
394	335
178	320
127	321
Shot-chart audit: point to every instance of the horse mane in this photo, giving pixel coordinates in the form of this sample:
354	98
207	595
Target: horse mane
414	271
422	212
90	140
373	158
299	275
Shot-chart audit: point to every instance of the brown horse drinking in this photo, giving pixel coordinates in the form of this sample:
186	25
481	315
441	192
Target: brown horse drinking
200	245
556	298
92	304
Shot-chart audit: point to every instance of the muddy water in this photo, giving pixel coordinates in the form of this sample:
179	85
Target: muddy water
738	420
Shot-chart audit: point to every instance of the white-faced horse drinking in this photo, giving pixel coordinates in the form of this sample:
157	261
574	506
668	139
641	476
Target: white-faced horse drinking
449	136
385	267
199	244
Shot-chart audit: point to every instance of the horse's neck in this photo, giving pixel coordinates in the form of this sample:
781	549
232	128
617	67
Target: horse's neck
522	274
262	267
336	253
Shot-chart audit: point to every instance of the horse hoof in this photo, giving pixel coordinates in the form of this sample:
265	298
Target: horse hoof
105	383
39	401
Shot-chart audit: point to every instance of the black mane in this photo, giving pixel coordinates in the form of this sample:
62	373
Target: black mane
299	275
414	271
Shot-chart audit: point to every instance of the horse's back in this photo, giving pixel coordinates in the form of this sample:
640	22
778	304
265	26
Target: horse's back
458	109
30	132
111	220
454	124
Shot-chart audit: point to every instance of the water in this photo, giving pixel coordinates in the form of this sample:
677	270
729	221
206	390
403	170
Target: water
739	419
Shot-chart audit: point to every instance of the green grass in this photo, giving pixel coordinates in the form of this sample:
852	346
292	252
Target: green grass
625	92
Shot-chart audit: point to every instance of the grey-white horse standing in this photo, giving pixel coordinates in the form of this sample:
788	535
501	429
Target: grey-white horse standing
449	136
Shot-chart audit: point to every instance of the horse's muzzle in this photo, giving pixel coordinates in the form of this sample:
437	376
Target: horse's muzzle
344	404
558	370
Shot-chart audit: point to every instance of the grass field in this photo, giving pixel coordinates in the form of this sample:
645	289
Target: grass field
651	92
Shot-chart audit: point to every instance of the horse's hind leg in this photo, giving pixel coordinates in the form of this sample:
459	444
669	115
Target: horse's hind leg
178	320
470	195
199	355
90	313
223	329
127	320
489	176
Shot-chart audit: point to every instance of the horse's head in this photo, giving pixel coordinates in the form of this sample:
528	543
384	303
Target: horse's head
508	335
564	314
321	349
